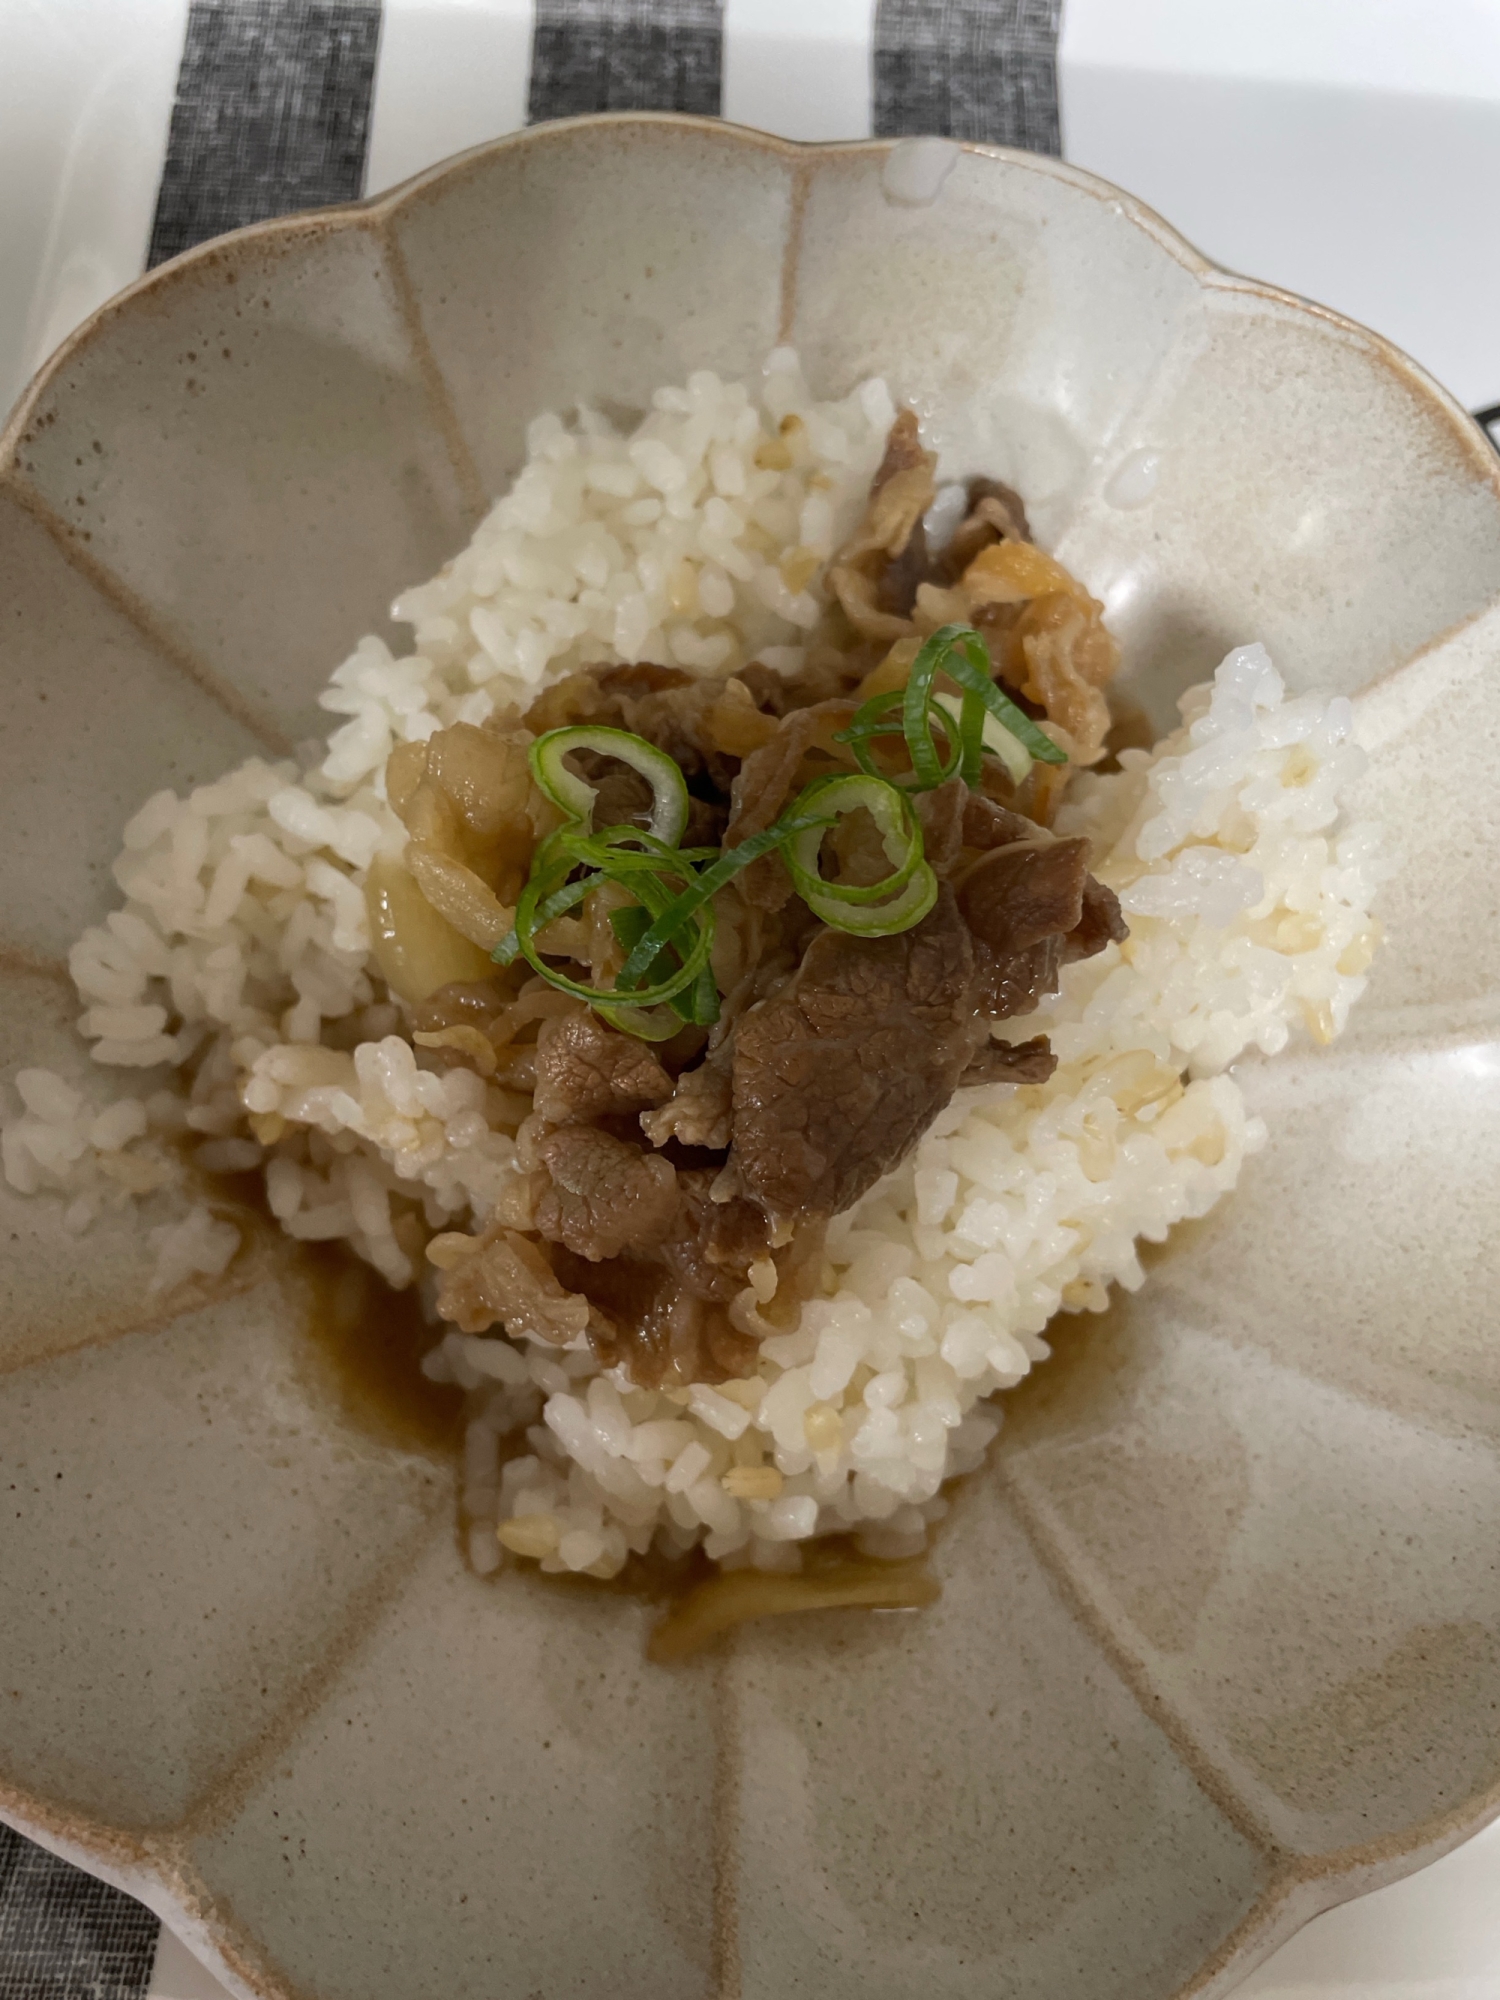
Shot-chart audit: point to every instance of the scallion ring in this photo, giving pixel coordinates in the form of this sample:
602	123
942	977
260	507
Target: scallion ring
873	718
994	736
666	930
894	819
693	957
575	796
883	919
979	718
701	891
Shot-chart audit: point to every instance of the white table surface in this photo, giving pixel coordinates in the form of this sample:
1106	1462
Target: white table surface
1347	149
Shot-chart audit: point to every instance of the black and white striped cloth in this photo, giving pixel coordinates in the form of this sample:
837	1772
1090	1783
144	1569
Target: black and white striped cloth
284	104
288	104
64	1936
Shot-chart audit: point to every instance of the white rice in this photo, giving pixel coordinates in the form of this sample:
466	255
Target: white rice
700	538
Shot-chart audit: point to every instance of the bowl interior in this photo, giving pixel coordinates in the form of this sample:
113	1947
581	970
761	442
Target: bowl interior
1220	1634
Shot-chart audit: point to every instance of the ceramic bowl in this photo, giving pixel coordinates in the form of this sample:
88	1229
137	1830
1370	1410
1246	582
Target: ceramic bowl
1219	1642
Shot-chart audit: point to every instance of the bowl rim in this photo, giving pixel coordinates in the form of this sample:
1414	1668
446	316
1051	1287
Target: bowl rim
374	212
154	1867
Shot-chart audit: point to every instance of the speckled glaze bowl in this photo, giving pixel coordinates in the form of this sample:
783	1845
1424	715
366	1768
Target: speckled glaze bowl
1219	1643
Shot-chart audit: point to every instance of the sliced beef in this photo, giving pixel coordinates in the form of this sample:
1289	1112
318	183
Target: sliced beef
1012	1062
988	824
622	797
840	1073
507	1281
715	1242
1016	982
826	674
668	707
766	782
856	848
956	820
942	814
993	501
994	513
602	1194
674	717
903	576
1016	896
597	694
1100	924
768	776
903	452
1020	902
586	1070
635	682
706	822
769	690
907	562
698	1111
1033	908
647	1321
876	573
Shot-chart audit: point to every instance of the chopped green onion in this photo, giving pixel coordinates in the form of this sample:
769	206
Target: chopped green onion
994	737
575	796
916	722
885	919
557	904
706	886
894	819
629	925
961	654
699	1003
626	846
693	959
667	930
634	859
872	718
980	718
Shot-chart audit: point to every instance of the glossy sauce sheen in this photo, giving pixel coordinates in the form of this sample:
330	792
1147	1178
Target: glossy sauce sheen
366	1344
366	1347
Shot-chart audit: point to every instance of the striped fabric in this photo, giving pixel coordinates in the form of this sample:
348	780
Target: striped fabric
64	1936
278	100
281	105
272	114
973	69
625	55
287	104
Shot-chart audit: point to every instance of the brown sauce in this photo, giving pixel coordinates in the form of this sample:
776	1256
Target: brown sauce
365	1347
366	1344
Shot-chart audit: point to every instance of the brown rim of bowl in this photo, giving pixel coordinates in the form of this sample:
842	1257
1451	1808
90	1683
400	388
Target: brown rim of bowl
374	211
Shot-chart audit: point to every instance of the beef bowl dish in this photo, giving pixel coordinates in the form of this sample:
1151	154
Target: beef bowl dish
852	1011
